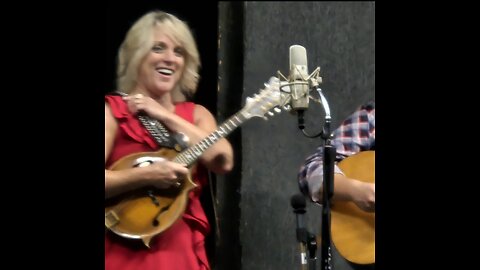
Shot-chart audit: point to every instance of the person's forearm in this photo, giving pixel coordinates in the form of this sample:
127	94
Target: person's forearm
117	182
344	188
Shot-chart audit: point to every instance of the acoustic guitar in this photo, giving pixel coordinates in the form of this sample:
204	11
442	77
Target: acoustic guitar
353	230
147	212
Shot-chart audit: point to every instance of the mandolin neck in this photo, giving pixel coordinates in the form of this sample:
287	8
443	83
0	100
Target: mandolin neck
191	154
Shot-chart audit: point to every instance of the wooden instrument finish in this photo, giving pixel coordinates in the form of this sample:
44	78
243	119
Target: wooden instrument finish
144	213
147	212
353	230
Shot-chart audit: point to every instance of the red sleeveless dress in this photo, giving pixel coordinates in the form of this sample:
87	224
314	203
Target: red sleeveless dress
180	247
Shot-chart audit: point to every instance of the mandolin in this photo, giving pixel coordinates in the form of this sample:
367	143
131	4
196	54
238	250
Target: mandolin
353	230
147	212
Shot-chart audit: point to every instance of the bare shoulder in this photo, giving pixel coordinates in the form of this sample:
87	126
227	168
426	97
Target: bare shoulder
109	118
108	111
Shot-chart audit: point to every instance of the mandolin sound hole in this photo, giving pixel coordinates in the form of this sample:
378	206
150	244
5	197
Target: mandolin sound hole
155	221
150	192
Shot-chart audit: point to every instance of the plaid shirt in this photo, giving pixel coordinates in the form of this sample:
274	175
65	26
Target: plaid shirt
355	134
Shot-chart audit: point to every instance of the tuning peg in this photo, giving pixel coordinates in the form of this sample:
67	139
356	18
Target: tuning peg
271	113
287	107
277	110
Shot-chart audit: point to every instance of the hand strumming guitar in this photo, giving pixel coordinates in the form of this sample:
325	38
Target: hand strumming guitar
348	189
363	195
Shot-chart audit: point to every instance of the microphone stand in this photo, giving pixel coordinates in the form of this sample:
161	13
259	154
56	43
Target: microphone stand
329	153
312	251
307	240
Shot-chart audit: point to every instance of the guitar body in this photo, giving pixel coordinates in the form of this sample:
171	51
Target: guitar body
353	230
144	213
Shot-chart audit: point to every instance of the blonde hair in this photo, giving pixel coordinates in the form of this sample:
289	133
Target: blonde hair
139	42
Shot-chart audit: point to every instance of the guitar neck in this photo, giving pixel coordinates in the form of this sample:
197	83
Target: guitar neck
191	154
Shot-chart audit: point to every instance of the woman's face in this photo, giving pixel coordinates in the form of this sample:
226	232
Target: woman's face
162	67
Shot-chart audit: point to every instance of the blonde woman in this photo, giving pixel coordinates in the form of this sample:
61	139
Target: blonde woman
158	66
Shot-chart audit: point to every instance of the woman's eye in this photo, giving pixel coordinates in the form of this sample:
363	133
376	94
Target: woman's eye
157	48
180	51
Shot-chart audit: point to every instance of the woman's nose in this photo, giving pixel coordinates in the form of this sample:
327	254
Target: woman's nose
169	56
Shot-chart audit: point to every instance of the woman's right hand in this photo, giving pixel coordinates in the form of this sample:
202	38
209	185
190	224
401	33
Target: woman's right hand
165	174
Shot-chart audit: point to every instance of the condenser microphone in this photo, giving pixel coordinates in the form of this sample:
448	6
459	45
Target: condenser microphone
298	203
299	88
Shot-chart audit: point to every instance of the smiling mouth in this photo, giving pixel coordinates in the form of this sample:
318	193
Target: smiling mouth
165	71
